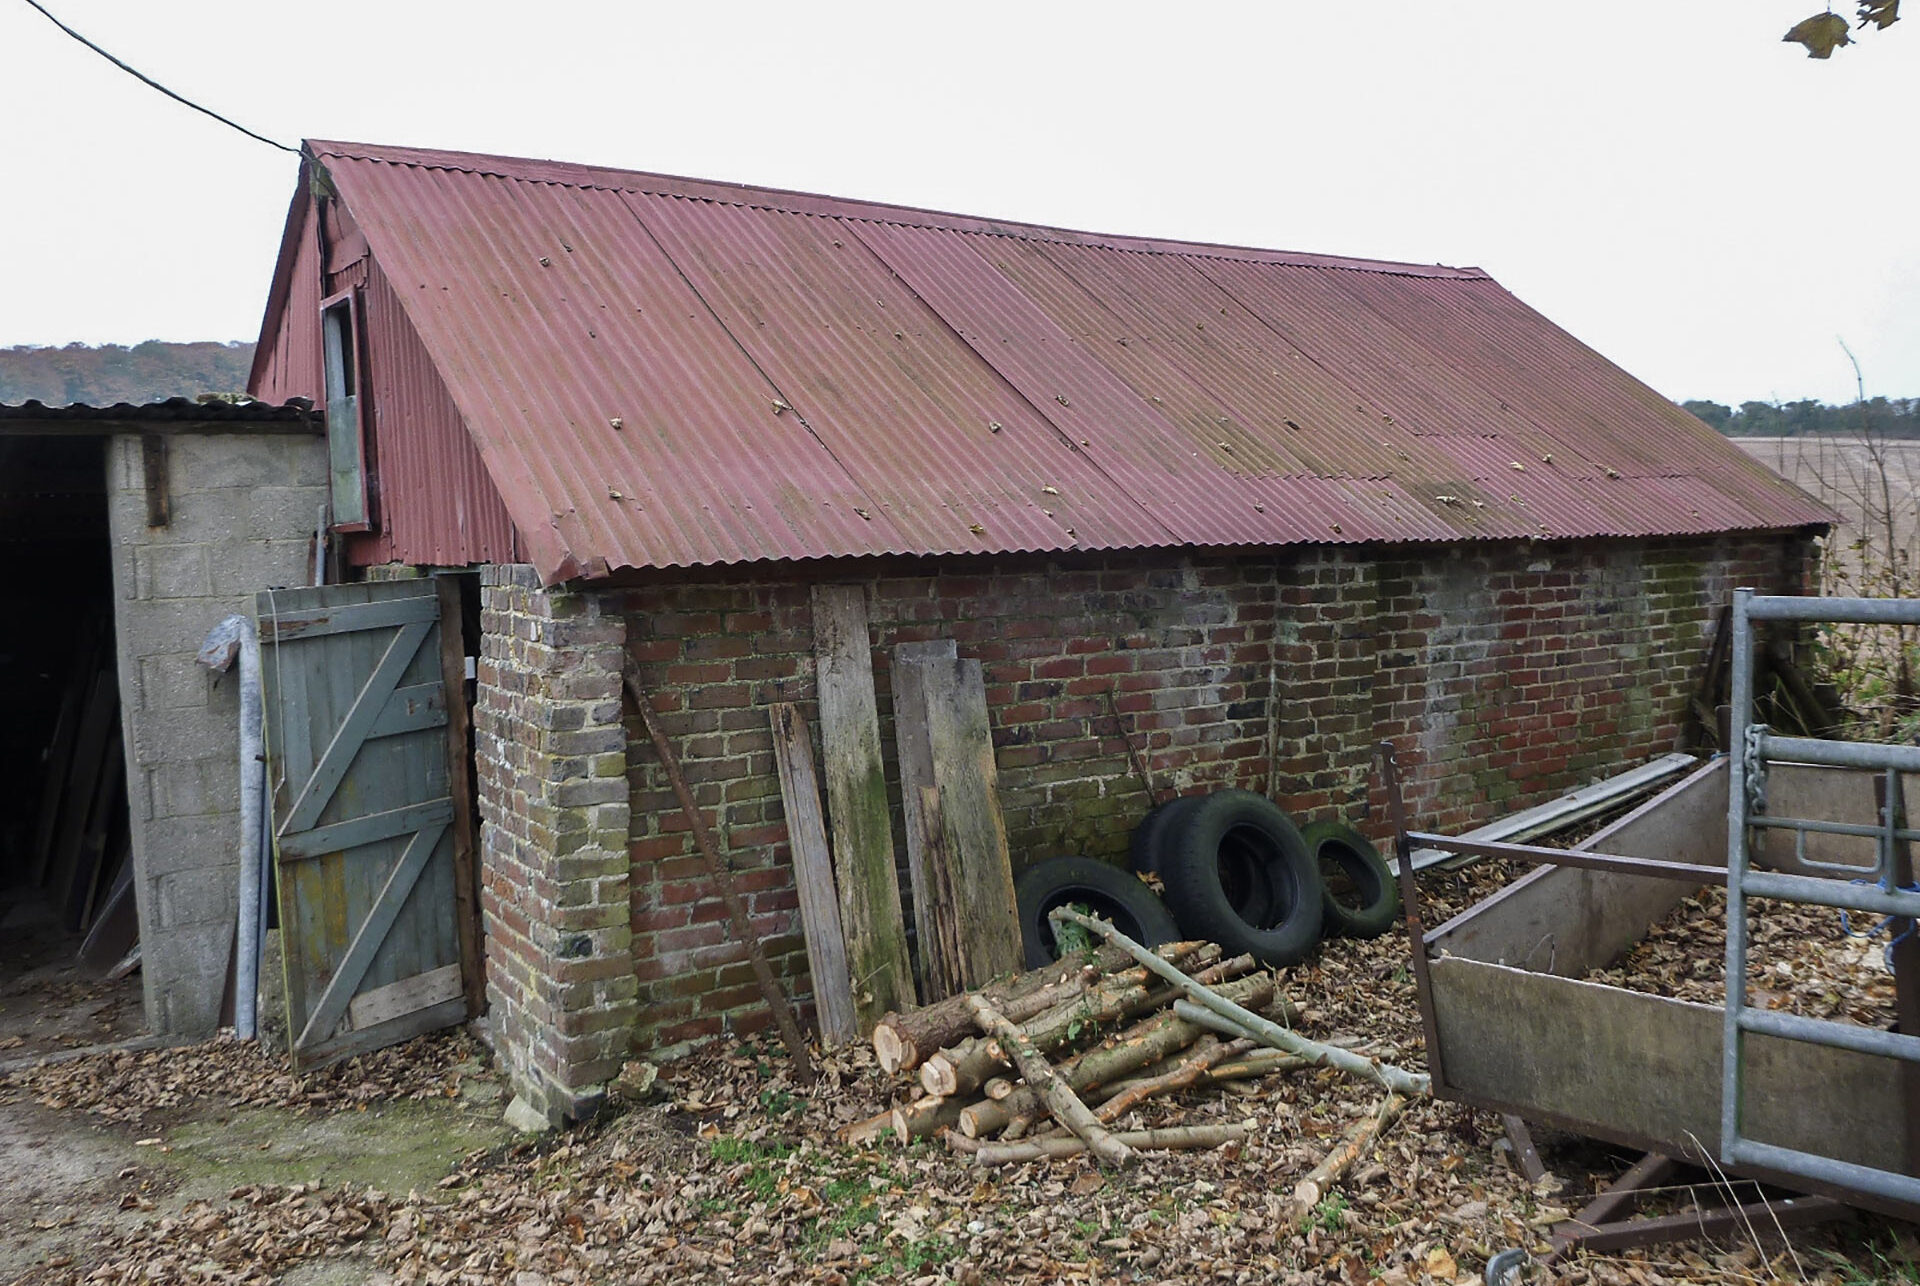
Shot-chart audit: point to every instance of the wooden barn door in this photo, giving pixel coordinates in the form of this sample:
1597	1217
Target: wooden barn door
364	779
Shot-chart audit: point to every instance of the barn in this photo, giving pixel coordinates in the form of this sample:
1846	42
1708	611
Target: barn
1251	511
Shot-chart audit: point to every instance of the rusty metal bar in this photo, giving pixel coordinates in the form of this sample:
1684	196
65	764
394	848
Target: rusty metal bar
1684	871
1618	1196
1410	912
1760	1217
804	1070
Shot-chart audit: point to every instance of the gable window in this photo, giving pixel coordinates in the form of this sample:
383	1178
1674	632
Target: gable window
346	438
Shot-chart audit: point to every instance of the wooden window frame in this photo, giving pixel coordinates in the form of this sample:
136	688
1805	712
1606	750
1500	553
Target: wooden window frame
346	414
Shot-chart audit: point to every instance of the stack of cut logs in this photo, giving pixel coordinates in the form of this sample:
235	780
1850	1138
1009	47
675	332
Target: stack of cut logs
1040	1064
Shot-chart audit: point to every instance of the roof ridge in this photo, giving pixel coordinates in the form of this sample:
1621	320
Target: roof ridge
818	205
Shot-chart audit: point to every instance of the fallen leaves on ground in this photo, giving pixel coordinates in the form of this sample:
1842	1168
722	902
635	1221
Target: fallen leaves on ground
732	1173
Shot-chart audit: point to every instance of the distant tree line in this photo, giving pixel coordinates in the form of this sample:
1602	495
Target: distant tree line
1891	417
101	375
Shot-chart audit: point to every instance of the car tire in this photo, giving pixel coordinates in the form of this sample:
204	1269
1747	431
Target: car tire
1144	845
1237	847
1359	898
1103	888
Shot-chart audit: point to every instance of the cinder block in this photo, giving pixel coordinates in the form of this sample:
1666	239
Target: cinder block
204	895
219	462
278	513
171	845
197	787
171	571
171	681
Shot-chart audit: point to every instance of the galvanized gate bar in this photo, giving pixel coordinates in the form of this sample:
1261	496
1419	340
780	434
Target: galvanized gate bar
1824	1169
1820	1031
1838	754
1752	747
1816	890
1844	611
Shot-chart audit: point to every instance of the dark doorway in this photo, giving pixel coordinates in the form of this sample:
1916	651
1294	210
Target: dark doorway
65	870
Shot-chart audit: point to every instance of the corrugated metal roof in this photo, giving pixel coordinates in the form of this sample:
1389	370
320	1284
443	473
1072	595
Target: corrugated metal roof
669	372
174	414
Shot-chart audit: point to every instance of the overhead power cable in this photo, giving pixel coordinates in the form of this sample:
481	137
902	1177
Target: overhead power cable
152	83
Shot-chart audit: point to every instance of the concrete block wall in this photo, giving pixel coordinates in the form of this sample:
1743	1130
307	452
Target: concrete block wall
243	513
1504	674
551	763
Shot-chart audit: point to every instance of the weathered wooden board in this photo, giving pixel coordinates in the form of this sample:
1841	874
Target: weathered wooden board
967	783
1646	1069
99	717
363	813
857	805
813	876
927	881
452	692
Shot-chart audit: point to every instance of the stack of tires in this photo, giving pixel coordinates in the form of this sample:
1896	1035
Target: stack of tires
1236	870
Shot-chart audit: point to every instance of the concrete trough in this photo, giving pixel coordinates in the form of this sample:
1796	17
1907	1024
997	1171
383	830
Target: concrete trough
1516	1030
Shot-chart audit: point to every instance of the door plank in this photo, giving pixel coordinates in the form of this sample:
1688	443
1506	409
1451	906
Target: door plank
857	805
365	711
371	829
304	622
813	876
372	932
414	708
396	999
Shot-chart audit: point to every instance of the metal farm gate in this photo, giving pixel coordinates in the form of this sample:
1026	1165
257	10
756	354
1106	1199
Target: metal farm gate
371	830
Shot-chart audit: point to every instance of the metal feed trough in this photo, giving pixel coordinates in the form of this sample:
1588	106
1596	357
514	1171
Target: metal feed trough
1817	1106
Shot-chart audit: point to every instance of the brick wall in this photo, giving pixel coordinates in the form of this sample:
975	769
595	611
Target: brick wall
243	510
550	760
1503	673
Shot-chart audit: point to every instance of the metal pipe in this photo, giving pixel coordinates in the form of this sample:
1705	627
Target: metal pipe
1741	700
1839	754
1819	890
253	791
1857	611
1840	1174
235	638
1819	1031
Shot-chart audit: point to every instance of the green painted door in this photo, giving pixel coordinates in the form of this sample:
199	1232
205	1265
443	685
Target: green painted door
356	691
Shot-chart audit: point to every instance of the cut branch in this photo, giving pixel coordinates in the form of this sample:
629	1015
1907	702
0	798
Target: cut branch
1059	1097
964	1068
1353	1145
1147	1041
1251	1024
1190	1136
905	1038
1204	1055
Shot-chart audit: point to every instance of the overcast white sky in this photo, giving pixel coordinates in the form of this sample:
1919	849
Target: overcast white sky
1697	200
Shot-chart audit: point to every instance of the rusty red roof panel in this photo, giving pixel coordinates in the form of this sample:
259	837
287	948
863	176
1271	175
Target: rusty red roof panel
669	372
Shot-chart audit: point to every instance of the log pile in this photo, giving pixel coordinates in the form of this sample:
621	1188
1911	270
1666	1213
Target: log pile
1047	1063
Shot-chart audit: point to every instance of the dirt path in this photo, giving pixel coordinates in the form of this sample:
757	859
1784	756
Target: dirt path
97	1149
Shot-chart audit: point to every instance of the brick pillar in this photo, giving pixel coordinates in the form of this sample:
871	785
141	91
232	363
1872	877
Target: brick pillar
551	756
1326	651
